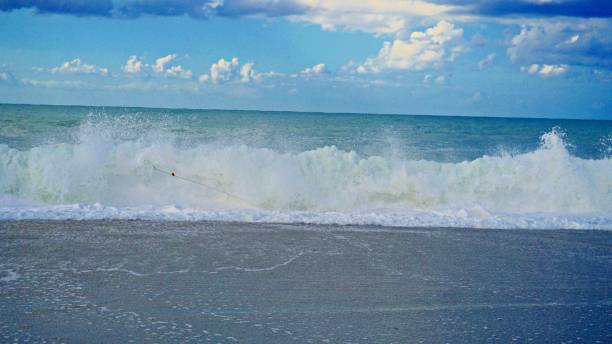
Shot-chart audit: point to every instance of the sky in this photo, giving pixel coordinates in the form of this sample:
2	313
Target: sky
526	58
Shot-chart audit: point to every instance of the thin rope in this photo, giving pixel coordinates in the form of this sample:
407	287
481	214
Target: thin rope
173	174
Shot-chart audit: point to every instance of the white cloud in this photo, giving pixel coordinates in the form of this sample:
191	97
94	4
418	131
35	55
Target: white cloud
179	72
422	50
247	73
77	66
487	61
160	67
545	69
367	22
548	70
231	70
204	78
133	65
160	64
314	70
223	70
377	17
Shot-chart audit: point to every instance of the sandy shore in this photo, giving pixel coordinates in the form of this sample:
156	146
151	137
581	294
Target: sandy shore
165	282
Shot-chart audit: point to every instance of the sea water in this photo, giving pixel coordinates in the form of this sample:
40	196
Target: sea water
68	162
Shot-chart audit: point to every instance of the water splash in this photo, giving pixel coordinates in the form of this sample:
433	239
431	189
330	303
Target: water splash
107	171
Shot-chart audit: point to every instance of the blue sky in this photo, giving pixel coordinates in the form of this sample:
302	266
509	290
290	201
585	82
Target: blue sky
544	58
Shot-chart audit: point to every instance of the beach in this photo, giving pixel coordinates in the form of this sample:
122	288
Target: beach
299	171
162	281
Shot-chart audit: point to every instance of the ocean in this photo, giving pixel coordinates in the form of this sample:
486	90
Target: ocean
74	162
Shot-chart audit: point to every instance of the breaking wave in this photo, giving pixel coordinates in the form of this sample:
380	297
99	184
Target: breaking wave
108	171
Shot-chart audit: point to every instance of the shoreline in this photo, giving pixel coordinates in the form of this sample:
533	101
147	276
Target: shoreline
299	225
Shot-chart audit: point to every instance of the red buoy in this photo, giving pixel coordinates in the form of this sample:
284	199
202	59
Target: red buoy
173	174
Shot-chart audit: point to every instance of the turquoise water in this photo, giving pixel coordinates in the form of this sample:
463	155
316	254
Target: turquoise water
438	138
93	162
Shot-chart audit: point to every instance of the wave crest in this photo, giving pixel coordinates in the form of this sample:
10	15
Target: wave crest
117	173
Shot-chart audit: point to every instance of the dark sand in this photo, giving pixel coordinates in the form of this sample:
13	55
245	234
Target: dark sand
167	282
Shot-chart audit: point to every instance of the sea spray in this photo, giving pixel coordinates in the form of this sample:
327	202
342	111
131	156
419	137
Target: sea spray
106	170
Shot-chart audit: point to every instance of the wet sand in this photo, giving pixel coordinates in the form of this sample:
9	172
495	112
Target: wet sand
191	282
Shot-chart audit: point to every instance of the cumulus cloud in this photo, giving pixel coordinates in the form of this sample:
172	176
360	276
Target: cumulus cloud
247	73
133	65
555	32
230	70
160	63
582	37
161	67
178	72
545	70
314	70
224	70
77	66
422	50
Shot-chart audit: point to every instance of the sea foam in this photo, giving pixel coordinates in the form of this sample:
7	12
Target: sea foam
108	173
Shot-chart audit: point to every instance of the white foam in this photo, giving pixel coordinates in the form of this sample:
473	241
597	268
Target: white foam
380	217
102	177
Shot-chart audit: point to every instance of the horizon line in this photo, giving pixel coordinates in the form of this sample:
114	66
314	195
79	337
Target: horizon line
317	112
